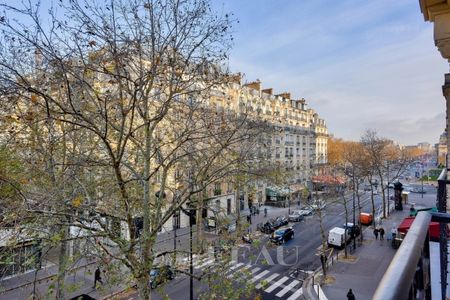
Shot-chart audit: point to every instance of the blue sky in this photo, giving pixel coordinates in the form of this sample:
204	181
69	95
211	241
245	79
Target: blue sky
359	64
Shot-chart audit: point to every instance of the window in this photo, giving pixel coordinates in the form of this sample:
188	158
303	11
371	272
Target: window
228	206
217	189
176	220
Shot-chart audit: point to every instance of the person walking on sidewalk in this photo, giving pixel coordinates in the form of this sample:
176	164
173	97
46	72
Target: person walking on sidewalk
97	277
265	212
350	295
381	233
375	233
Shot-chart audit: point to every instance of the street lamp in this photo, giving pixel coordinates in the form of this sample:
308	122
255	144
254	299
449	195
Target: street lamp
190	212
289	200
354	208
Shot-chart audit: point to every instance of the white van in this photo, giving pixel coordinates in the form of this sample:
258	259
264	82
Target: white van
336	237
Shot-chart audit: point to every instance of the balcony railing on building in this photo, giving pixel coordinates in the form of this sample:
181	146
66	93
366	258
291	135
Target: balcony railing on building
408	275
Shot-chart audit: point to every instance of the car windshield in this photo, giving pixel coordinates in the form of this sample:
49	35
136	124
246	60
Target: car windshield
279	232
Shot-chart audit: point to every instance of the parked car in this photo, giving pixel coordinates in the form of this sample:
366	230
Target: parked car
306	211
282	235
318	205
352	229
417	190
266	227
160	275
280	221
296	216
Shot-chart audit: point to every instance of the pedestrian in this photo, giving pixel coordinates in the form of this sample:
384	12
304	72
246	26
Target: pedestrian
375	233
265	212
97	277
249	219
257	211
381	233
350	295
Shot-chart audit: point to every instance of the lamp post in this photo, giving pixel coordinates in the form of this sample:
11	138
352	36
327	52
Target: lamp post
190	212
289	200
421	180
354	208
388	200
191	263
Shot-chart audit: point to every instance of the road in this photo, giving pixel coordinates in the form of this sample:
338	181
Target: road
278	272
287	266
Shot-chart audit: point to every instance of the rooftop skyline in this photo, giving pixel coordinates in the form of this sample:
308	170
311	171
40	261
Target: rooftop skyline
371	65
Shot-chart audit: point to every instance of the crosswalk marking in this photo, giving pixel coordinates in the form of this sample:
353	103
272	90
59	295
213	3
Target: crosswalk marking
254	270
235	266
295	295
287	288
230	275
268	280
276	284
260	275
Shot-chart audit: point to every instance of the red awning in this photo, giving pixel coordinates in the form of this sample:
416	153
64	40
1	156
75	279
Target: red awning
328	179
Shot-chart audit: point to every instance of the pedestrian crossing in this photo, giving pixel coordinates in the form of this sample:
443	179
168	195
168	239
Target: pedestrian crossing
277	285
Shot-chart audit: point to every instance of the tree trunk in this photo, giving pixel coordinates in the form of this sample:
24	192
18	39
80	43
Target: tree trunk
62	263
238	206
199	232
346	221
358	197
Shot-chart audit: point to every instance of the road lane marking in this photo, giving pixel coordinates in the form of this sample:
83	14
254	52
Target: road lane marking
260	275
268	280
287	288
276	284
296	295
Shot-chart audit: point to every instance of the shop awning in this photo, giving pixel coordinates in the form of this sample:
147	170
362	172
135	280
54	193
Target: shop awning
277	191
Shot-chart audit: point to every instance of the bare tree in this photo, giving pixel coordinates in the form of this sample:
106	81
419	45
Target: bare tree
134	80
376	149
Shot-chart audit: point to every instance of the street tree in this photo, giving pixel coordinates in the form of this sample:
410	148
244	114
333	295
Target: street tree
133	80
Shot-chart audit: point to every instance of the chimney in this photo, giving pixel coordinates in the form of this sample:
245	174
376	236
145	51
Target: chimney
268	91
285	95
256	85
235	78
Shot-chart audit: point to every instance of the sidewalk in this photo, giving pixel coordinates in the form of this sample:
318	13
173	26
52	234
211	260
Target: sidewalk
80	279
364	272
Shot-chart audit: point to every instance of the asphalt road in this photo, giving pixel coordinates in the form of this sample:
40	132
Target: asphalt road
288	264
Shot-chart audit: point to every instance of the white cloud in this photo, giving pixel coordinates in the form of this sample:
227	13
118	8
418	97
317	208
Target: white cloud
367	65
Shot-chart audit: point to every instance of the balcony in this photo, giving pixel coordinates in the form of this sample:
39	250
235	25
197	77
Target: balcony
410	275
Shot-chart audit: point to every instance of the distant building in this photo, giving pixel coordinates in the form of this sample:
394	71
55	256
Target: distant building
425	146
441	149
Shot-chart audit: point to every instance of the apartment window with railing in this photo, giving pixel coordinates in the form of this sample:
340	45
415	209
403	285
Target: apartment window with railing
217	189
